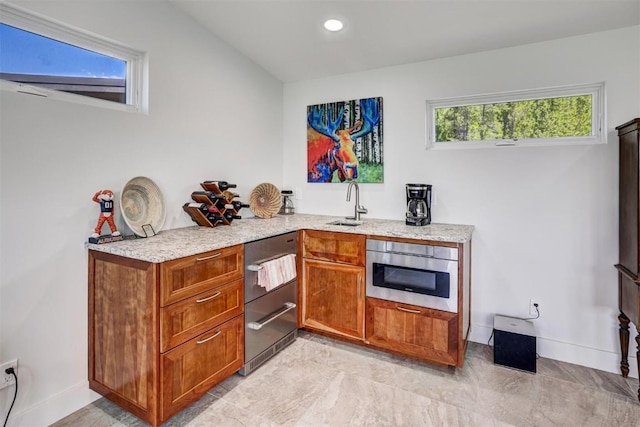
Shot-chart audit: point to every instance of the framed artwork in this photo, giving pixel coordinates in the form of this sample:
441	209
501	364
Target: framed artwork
344	141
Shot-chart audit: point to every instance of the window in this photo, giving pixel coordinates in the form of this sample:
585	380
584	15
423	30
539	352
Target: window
555	116
45	58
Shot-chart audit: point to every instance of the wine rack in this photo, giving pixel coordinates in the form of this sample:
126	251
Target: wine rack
215	205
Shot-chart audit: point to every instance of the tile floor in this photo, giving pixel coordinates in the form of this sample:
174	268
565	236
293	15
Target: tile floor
317	381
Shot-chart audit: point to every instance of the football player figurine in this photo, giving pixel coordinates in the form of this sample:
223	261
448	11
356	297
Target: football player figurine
105	198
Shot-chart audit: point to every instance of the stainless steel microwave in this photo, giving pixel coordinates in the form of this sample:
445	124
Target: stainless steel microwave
422	275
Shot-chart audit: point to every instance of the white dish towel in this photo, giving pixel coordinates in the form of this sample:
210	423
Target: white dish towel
276	272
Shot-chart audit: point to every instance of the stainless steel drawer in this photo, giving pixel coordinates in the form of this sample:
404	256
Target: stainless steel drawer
270	318
260	251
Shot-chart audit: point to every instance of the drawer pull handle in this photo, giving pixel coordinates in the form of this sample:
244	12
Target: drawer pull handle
217	294
210	338
408	310
209	257
256	326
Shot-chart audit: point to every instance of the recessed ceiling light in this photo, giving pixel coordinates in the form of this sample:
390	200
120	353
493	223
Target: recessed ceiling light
333	25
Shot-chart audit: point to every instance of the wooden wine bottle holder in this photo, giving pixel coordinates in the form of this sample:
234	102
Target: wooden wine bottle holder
198	216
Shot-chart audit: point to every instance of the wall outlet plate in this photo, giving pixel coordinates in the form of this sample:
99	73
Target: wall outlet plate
532	307
7	380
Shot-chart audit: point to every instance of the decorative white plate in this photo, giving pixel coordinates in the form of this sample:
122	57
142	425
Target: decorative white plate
265	200
142	206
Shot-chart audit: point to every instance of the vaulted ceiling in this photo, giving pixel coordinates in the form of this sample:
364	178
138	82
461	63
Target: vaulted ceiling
287	39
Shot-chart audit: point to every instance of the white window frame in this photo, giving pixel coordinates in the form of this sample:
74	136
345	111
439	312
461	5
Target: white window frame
598	116
136	69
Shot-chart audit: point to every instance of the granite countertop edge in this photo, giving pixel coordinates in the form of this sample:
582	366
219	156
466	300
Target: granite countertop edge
177	243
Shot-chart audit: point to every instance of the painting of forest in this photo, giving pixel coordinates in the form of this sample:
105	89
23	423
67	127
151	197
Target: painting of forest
344	141
536	118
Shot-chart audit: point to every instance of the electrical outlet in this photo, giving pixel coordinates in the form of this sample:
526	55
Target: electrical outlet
532	306
8	379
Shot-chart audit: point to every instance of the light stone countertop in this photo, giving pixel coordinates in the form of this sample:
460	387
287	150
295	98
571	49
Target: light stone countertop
181	242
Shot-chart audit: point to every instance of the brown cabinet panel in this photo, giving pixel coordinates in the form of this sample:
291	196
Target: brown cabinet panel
427	334
333	298
130	331
629	187
629	238
192	368
122	331
335	247
188	318
186	277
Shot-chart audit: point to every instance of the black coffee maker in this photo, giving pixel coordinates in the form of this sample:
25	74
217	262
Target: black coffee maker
418	204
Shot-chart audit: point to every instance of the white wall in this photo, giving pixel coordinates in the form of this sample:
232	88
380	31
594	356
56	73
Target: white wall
213	115
546	218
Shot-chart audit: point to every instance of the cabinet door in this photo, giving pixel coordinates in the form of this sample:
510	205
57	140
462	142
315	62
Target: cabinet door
186	277
336	247
333	298
426	334
192	368
629	188
185	319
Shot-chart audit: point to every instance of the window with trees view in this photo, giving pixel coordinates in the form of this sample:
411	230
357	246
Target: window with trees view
536	117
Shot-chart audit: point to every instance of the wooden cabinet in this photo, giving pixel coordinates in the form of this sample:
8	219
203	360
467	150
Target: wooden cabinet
425	333
185	319
341	248
332	295
184	277
419	332
333	302
334	298
629	238
189	370
123	316
161	335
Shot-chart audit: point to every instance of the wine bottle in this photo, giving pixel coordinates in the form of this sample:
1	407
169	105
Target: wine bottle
231	215
222	204
203	207
216	218
222	185
230	195
202	196
237	205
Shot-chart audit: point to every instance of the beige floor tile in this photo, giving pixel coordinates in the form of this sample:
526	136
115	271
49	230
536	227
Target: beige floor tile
317	381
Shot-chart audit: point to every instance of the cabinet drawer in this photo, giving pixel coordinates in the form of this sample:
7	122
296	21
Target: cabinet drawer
189	276
181	321
336	247
423	333
192	368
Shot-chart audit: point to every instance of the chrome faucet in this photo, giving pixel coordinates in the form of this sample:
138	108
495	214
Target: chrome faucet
358	209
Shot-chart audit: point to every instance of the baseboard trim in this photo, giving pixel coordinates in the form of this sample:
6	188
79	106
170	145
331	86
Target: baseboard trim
566	352
55	407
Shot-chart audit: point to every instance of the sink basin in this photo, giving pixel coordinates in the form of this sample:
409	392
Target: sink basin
346	222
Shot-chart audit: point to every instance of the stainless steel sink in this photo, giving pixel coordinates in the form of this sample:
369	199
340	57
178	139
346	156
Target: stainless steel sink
346	222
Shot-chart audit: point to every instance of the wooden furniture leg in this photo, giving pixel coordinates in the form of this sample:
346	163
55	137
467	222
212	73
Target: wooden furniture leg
624	344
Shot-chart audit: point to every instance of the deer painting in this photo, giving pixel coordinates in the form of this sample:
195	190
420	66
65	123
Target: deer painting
330	148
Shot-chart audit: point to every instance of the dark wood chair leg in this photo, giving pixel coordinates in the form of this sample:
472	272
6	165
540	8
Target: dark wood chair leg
624	344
